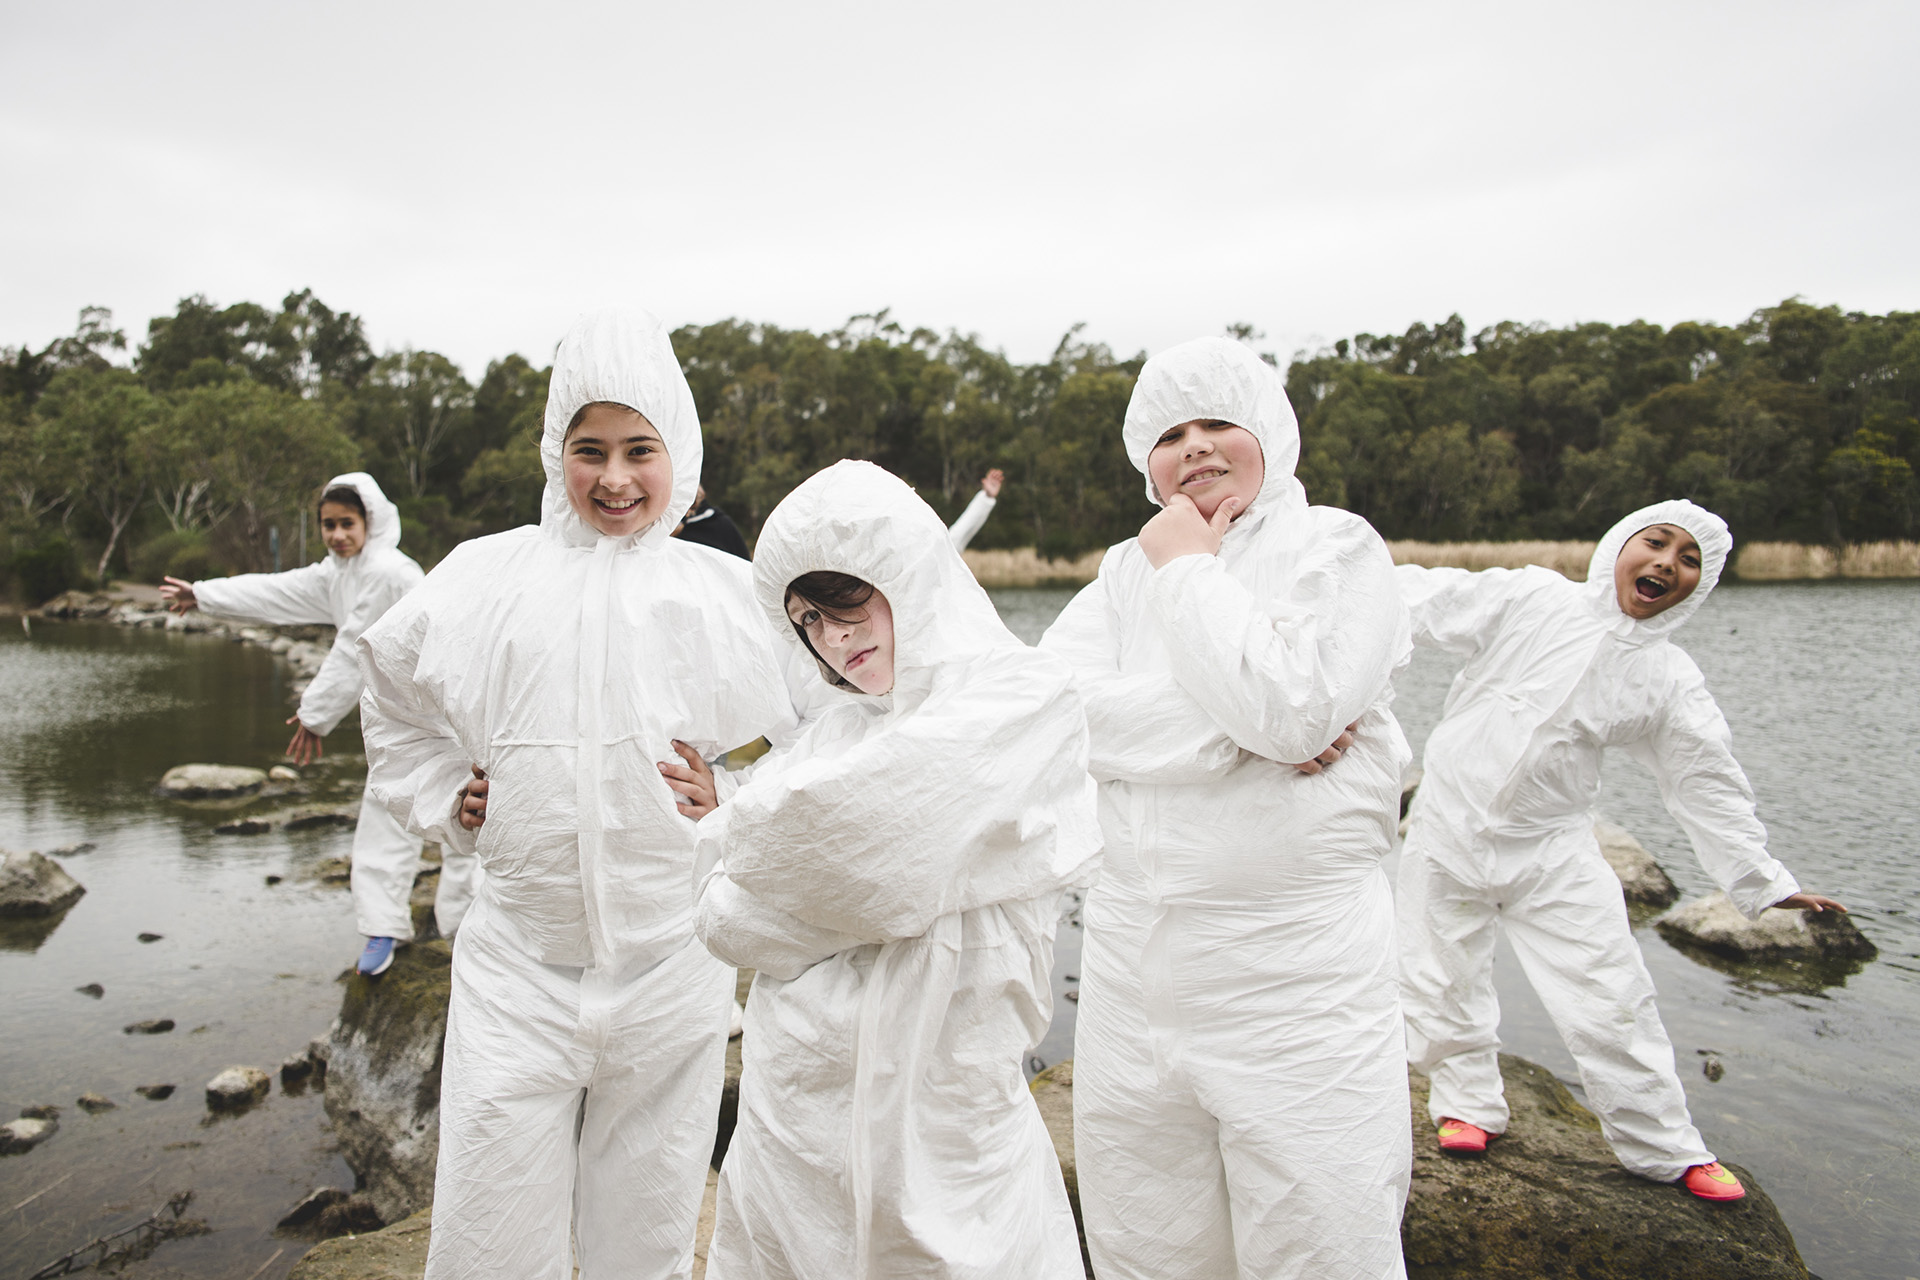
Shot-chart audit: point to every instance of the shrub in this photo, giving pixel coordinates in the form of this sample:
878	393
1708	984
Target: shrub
179	553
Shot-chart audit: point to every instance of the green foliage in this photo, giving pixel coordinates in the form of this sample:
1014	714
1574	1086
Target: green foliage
180	553
37	570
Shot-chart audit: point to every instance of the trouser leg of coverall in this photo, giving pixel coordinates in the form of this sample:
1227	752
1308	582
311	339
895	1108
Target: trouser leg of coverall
1153	1188
1575	942
536	1054
459	882
385	858
1446	936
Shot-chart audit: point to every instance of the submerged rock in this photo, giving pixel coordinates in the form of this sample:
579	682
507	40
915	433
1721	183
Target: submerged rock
283	773
1715	925
211	781
237	1087
244	827
40	1111
155	1092
383	1077
397	1253
32	885
1643	880
151	937
93	989
94	1103
24	1134
150	1027
305	819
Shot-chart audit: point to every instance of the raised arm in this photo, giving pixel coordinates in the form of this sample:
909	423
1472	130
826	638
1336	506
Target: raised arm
416	763
1690	754
1284	677
1141	728
294	598
971	520
1455	610
336	687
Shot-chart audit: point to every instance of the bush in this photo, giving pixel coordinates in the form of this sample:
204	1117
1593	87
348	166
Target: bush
179	553
42	569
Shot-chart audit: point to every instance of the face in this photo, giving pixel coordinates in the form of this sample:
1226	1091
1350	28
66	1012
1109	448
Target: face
1209	461
1657	569
619	477
343	530
862	651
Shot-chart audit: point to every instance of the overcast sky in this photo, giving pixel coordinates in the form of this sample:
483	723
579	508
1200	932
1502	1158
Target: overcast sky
469	177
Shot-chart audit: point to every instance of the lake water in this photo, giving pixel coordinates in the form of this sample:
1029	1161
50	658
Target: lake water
1819	1098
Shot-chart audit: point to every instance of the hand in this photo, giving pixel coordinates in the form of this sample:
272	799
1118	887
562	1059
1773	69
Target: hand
693	781
304	748
1341	745
471	807
1180	530
1810	902
178	595
992	481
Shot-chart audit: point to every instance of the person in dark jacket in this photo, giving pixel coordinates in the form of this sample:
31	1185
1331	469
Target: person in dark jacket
712	527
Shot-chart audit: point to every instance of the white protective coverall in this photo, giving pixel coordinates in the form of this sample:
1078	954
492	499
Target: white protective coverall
1502	829
972	520
350	595
586	1036
1240	1093
895	877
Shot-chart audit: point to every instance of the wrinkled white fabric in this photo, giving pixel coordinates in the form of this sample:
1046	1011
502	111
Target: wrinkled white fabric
894	877
564	663
351	594
971	521
1239	1088
1502	828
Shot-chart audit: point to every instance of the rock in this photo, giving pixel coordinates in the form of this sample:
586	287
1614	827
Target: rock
310	1207
151	937
1713	1069
1715	925
237	1087
211	781
1641	878
33	885
155	1092
426	888
24	1134
397	1253
77	604
273	880
40	1111
383	1077
353	1216
244	827
68	850
333	870
1053	1092
151	1027
94	1103
283	773
306	819
297	1066
93	989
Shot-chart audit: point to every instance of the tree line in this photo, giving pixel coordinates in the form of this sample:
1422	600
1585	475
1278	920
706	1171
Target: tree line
199	450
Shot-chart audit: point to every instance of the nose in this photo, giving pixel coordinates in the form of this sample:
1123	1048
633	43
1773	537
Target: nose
1196	444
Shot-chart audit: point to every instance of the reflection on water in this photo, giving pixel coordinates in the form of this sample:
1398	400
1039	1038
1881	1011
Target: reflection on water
1817	1097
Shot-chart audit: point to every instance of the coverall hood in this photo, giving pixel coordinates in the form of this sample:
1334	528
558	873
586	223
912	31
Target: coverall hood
1708	529
620	355
383	518
860	519
1223	379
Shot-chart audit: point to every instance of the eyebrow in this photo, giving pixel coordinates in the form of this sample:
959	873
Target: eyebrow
583	438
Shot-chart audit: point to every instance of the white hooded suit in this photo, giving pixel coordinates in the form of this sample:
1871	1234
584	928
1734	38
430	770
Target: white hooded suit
1502	829
895	878
351	594
586	1037
1240	1095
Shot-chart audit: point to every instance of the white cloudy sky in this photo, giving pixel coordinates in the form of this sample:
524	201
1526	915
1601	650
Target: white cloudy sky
468	177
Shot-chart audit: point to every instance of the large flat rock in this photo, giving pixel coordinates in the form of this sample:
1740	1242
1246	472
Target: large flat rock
1713	924
211	781
32	885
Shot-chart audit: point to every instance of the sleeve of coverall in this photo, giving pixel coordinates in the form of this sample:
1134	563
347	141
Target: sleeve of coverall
336	686
416	766
745	932
1141	728
1285	677
1690	754
1452	609
971	520
294	598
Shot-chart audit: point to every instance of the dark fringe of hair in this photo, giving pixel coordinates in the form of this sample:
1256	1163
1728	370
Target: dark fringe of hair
840	597
347	496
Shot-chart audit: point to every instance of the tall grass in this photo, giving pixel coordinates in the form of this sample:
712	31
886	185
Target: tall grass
1569	558
1794	561
1025	568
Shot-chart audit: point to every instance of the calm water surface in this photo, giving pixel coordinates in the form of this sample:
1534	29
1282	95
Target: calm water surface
1819	1097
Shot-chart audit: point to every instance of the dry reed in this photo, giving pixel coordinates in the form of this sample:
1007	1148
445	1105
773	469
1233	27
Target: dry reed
1025	568
1569	558
1795	561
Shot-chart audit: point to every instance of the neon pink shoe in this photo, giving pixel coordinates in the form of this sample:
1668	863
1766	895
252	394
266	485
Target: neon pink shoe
1458	1138
1713	1182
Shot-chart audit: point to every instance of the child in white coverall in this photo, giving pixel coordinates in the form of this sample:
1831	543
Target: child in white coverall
1240	1089
363	575
895	878
587	1030
1502	828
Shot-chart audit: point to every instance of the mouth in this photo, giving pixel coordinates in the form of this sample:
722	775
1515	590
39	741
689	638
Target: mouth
861	657
1650	589
619	507
1203	477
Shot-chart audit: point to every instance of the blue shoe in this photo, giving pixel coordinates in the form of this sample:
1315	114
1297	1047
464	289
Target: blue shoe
377	958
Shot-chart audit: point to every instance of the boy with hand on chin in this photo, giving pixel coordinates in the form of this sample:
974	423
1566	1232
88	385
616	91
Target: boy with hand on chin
1502	828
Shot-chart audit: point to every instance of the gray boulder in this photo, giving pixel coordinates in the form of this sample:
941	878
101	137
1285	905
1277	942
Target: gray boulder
383	1077
1713	924
397	1253
1641	878
211	781
34	885
237	1088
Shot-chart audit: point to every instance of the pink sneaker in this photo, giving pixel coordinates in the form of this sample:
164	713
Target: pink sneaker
1458	1138
1713	1182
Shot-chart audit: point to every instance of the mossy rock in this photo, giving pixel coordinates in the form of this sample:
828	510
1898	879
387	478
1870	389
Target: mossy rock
398	1252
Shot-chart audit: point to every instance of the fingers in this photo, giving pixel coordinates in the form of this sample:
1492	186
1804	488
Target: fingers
1181	502
1310	768
478	772
691	756
1223	515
